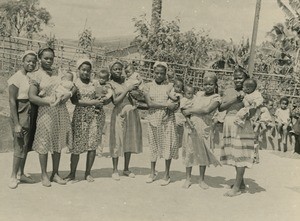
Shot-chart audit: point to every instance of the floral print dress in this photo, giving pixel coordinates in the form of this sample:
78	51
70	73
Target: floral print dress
87	122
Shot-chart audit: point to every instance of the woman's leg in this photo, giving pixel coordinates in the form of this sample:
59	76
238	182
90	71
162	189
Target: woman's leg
202	184
43	162
167	169
73	167
13	183
115	174
153	173
239	181
90	158
127	156
115	161
55	165
188	181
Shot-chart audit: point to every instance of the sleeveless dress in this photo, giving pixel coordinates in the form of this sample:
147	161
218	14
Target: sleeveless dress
53	126
162	136
125	126
87	122
197	141
238	148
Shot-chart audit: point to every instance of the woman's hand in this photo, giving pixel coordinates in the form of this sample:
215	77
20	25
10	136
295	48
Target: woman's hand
186	112
18	130
133	87
172	106
241	96
65	98
98	103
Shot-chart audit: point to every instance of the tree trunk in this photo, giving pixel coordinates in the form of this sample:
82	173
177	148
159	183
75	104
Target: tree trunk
156	15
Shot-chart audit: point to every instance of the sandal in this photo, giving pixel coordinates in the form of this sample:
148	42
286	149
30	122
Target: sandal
187	184
13	183
57	179
115	176
89	178
26	179
165	182
129	174
151	178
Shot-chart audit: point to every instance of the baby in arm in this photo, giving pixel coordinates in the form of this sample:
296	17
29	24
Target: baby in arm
65	86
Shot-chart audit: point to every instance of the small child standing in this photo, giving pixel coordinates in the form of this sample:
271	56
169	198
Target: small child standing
283	118
65	86
252	99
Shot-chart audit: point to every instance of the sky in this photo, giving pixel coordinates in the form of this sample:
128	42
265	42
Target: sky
224	19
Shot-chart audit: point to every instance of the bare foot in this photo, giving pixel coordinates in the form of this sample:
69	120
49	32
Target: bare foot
232	193
187	184
89	178
203	185
26	179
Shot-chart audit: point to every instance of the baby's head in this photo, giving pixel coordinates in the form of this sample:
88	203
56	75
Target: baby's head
284	103
189	91
67	76
129	70
178	85
249	86
102	76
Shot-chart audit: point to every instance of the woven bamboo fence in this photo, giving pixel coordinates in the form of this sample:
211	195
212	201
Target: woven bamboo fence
270	84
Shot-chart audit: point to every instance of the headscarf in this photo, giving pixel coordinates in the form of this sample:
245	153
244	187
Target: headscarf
160	63
116	61
28	52
83	60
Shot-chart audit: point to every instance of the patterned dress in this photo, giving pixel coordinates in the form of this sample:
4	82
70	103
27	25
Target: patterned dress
53	127
197	141
238	149
125	126
87	122
162	136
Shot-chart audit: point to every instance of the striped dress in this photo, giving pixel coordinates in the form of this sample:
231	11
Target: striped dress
238	148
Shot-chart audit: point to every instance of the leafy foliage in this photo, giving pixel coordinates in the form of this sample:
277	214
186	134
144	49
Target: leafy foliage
86	40
170	45
22	18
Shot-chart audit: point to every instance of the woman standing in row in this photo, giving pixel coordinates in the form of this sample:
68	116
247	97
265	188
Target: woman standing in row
20	116
85	123
125	126
238	149
162	134
53	129
197	141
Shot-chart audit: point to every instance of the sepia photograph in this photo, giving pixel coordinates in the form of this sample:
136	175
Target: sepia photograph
141	110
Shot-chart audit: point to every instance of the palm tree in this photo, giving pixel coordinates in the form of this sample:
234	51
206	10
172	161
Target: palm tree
156	15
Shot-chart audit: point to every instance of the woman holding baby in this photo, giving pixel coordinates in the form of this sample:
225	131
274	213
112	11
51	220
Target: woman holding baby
125	127
53	129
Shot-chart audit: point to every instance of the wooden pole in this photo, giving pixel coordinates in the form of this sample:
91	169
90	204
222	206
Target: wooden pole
254	36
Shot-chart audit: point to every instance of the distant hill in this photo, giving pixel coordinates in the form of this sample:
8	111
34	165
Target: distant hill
111	43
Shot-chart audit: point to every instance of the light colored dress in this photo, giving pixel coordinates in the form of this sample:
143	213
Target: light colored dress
125	126
162	136
87	122
22	144
197	141
53	129
238	148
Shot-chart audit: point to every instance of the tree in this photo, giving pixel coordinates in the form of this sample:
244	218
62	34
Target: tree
170	45
156	15
22	18
86	40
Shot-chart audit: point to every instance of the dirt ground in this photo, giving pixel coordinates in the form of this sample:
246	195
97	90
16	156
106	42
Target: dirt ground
273	192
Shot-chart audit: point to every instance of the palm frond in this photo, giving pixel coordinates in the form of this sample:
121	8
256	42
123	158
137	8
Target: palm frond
285	9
